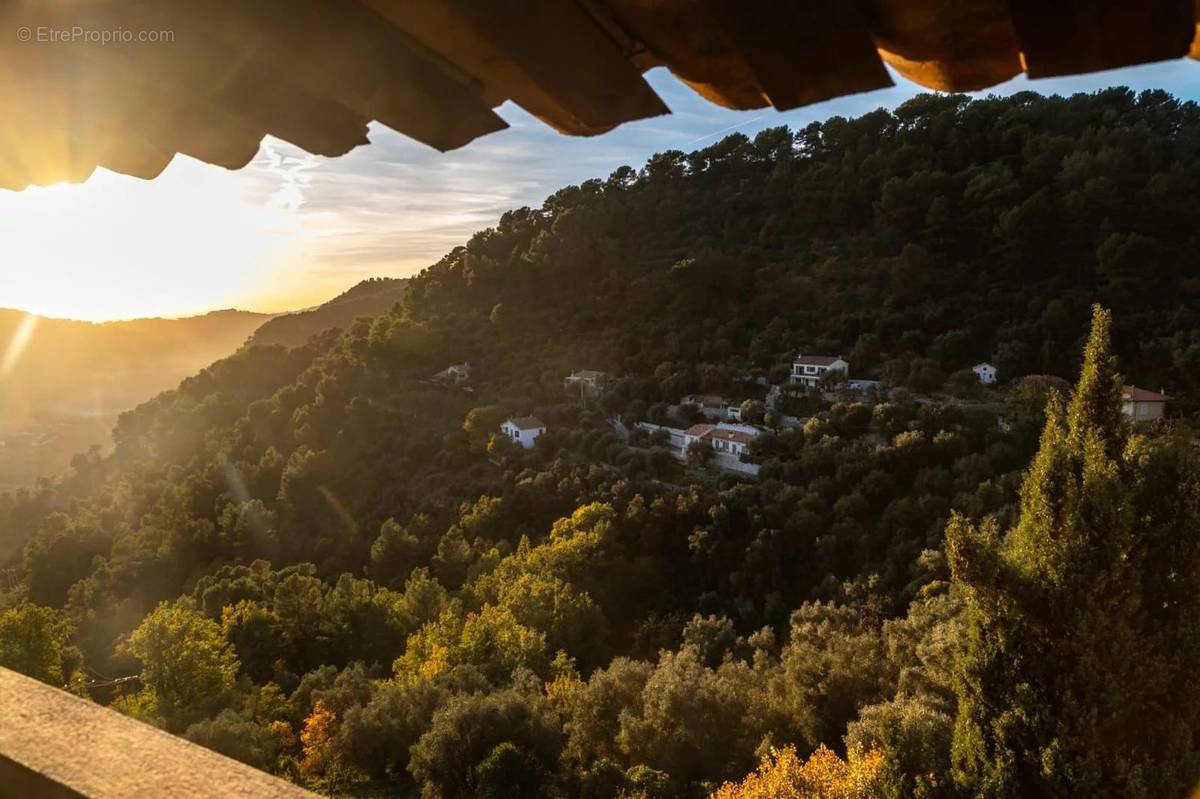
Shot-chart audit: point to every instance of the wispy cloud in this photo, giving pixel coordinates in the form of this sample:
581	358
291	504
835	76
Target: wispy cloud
395	205
293	229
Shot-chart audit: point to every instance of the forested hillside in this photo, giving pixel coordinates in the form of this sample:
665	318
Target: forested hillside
320	561
369	298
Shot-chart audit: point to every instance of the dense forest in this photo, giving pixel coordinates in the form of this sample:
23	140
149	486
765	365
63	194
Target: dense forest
320	561
369	298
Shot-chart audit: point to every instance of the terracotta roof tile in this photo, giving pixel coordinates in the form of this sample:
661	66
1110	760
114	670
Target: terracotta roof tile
316	73
1135	394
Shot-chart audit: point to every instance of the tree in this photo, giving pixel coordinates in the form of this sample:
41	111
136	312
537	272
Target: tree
833	379
705	711
235	736
753	411
395	553
59	555
186	663
317	739
376	737
699	453
32	640
505	743
781	775
483	420
492	641
508	773
256	637
1026	401
500	446
1084	620
833	664
594	712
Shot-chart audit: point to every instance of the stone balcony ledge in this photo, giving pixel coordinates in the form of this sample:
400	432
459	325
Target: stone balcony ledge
57	746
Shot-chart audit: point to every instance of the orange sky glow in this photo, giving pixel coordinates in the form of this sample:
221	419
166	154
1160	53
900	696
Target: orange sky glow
292	230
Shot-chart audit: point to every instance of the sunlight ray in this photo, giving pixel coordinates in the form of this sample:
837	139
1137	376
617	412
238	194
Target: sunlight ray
16	347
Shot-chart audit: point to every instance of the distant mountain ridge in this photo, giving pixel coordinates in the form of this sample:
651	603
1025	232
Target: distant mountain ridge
369	298
66	385
110	365
63	382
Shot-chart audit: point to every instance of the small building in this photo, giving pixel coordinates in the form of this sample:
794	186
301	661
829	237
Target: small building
585	382
807	370
727	438
864	386
454	373
985	372
1142	405
734	413
523	430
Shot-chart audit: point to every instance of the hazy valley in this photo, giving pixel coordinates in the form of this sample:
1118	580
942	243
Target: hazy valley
64	382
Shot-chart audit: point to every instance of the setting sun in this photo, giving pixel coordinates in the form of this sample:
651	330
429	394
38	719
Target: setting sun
118	247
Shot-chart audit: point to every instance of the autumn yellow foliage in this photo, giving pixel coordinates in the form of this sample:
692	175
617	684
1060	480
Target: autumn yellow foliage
317	738
781	775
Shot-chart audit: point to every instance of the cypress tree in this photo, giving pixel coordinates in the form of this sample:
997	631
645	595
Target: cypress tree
1077	674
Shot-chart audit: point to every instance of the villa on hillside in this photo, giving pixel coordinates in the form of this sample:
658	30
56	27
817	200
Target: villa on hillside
1142	405
730	439
729	443
807	370
585	382
523	430
985	372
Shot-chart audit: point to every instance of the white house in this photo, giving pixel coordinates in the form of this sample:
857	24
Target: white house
523	430
1141	405
731	439
585	382
807	370
985	372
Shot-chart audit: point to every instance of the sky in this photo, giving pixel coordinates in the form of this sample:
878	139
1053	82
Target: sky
292	230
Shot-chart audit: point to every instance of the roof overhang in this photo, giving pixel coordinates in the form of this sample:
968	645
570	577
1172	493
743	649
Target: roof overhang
81	86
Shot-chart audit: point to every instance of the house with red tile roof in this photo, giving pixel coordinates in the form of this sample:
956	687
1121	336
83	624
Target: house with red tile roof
722	438
1142	405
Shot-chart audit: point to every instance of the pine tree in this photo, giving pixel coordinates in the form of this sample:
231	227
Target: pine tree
1078	674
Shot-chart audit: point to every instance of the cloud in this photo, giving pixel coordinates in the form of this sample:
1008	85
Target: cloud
295	229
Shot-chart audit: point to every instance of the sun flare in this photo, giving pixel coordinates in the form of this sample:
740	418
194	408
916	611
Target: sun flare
117	247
